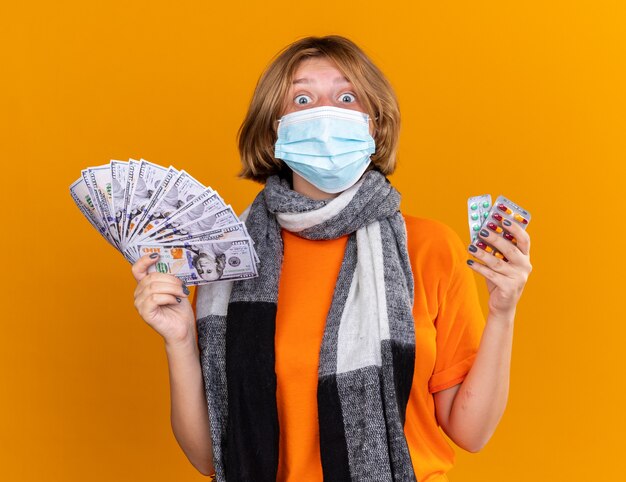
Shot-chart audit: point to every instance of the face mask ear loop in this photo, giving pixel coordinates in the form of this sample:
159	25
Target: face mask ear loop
374	128
276	126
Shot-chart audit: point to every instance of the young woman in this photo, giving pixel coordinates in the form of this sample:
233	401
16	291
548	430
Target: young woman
362	335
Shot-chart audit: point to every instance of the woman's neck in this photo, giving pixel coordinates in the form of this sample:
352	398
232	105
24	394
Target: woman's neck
304	187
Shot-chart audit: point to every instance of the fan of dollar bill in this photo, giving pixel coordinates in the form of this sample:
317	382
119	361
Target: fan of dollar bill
143	208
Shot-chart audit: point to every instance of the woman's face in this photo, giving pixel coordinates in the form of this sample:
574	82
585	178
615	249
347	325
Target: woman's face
317	82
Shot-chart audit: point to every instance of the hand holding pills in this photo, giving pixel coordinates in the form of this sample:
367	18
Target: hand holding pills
502	246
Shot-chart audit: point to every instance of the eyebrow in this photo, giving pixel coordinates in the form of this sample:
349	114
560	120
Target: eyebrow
338	80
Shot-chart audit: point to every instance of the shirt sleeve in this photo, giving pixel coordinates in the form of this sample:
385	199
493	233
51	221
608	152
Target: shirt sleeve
460	321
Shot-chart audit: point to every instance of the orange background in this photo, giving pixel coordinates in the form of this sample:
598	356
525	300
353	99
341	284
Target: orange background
525	99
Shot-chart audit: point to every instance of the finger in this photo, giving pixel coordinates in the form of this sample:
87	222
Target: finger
166	287
491	261
521	236
140	268
151	304
496	278
151	278
501	245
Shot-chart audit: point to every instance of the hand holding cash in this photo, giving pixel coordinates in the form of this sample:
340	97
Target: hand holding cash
141	208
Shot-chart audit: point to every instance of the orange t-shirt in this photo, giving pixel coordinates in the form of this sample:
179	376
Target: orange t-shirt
448	327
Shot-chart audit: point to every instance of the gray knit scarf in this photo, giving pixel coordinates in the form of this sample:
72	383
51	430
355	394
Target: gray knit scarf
367	353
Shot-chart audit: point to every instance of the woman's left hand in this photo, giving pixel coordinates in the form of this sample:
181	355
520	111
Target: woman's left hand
505	279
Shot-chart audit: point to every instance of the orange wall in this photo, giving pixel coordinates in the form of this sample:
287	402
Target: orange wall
525	99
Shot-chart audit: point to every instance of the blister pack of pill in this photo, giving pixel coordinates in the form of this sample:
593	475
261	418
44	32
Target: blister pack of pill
502	209
477	211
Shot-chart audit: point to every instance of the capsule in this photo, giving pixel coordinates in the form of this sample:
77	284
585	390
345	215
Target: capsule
497	217
504	209
520	219
484	246
495	227
510	237
499	255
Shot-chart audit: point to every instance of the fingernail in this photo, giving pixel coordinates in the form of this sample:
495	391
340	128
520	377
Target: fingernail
470	262
473	248
154	255
509	236
178	299
185	289
484	233
506	222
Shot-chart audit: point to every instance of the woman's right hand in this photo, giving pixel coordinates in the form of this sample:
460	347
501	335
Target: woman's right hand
162	301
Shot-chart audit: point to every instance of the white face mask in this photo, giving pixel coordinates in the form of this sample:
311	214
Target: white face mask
328	146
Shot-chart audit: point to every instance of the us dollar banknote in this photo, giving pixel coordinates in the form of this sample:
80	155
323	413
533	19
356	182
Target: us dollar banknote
140	207
200	262
149	177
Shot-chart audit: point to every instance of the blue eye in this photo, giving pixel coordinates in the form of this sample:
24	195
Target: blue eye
302	99
348	98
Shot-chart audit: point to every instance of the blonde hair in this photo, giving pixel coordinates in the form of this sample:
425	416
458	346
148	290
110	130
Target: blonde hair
258	132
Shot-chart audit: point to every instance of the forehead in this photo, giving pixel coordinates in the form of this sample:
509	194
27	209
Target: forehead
318	69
